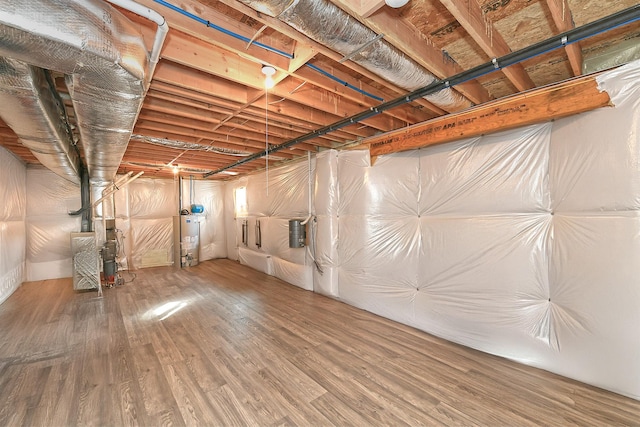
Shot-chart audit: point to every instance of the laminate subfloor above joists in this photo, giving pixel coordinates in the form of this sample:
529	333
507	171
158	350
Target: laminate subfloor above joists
535	106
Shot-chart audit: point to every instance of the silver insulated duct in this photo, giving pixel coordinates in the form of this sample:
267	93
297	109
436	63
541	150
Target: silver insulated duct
329	25
103	57
32	108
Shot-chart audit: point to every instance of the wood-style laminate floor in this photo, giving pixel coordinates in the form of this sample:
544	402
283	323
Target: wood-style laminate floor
223	345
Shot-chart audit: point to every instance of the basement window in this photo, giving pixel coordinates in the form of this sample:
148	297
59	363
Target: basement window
240	198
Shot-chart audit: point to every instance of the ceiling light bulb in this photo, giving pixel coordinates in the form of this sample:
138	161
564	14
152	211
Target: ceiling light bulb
175	169
268	82
396	3
268	71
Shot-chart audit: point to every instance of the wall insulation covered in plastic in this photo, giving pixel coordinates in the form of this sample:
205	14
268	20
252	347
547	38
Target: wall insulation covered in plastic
152	203
144	212
211	195
267	216
523	244
12	223
49	199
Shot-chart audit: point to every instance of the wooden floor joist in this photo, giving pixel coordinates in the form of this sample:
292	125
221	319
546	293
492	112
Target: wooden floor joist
535	106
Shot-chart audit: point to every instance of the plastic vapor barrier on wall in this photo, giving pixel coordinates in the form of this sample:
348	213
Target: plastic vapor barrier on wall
234	216
152	205
209	194
523	244
272	200
49	199
12	223
326	205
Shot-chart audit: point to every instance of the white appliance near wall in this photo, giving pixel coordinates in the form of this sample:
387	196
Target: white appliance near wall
186	240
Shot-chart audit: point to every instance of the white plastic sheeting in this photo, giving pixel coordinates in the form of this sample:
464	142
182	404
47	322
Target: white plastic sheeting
232	218
523	244
326	205
143	211
152	203
49	199
287	197
12	223
209	194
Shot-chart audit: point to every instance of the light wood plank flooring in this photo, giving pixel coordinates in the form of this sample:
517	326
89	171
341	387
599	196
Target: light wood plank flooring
223	345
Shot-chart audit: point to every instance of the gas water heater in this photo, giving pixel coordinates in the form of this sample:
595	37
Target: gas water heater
186	233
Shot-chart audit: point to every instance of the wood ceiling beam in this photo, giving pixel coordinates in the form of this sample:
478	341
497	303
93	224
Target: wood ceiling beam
194	53
187	159
302	54
408	39
234	129
205	135
472	90
297	116
208	164
172	73
562	18
179	111
324	100
184	24
536	106
223	134
407	113
222	141
173	112
469	14
366	8
216	144
260	128
186	50
251	113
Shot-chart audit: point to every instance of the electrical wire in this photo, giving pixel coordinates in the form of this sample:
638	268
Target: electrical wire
311	249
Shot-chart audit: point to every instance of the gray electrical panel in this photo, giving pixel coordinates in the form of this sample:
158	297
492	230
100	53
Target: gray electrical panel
297	233
186	244
86	262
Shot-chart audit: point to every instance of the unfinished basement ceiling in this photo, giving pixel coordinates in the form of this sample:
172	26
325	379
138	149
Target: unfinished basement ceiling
207	108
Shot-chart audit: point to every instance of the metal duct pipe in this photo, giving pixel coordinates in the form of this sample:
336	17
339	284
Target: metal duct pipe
329	25
105	62
30	106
